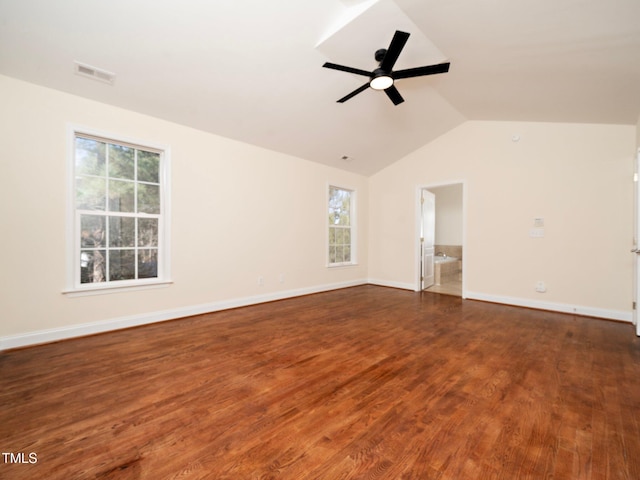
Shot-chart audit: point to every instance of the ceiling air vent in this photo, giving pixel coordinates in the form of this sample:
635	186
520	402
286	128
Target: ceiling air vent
94	73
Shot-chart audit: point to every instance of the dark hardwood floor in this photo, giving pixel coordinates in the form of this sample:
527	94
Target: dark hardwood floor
361	383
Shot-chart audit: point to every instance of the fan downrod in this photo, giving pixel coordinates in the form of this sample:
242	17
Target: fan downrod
379	56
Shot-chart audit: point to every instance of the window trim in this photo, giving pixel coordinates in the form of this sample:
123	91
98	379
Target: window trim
72	285
353	221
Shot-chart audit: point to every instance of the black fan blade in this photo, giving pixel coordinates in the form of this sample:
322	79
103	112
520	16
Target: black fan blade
394	95
393	52
419	71
354	93
342	68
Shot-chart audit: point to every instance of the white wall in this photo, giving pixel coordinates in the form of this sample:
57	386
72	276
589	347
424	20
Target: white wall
238	212
577	177
449	214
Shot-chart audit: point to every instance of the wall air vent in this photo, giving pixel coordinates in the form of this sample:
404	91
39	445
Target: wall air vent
94	73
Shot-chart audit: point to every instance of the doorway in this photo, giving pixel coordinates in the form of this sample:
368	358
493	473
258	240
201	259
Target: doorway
444	225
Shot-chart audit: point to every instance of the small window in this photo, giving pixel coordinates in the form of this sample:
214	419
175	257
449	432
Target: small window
341	226
118	210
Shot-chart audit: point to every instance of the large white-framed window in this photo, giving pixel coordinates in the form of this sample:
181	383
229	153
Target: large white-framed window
341	226
118	213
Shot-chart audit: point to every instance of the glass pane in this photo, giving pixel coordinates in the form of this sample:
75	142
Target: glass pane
122	232
347	253
339	206
122	265
332	235
148	198
345	218
91	193
339	254
147	263
346	203
148	232
92	266
334	216
92	231
121	162
334	206
121	195
346	236
332	254
339	236
90	157
148	167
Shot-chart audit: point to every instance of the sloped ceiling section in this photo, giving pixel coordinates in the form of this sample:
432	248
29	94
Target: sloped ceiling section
252	70
400	129
538	60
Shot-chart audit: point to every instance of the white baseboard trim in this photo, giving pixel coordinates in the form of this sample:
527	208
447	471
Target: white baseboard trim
81	330
386	283
618	315
72	331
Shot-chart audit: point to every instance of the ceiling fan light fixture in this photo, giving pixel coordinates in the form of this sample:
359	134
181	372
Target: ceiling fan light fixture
381	80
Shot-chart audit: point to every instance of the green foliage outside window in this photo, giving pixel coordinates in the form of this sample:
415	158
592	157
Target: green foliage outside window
340	220
118	202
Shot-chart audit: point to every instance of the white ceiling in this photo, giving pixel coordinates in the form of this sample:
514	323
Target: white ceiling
252	70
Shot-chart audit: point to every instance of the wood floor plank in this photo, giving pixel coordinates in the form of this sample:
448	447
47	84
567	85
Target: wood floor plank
365	382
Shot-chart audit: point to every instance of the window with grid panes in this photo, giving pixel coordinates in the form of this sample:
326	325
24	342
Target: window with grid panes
118	213
341	226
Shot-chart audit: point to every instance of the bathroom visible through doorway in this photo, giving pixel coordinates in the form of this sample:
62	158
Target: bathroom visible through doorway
447	233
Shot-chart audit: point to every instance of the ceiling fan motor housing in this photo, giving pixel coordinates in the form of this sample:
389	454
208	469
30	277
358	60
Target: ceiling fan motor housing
379	56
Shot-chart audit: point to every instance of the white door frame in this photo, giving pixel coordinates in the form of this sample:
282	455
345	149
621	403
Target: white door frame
636	241
418	219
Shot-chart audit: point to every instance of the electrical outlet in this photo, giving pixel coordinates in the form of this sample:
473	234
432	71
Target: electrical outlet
281	278
541	287
260	280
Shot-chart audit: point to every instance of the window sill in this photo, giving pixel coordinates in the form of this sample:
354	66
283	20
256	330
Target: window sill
342	265
105	290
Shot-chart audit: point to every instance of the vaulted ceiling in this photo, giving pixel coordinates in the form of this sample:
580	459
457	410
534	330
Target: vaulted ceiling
252	70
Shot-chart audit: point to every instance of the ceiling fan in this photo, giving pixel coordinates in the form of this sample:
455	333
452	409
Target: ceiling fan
383	77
